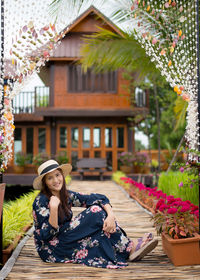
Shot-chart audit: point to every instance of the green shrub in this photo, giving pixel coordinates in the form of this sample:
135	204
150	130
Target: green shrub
170	183
116	178
68	179
16	215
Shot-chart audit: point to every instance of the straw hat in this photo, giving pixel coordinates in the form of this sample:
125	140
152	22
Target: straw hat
47	167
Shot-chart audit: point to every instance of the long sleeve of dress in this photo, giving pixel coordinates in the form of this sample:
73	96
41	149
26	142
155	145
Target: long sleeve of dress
86	200
41	213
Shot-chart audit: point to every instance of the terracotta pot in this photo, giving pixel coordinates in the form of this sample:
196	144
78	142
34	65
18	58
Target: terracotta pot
132	195
141	169
182	251
126	169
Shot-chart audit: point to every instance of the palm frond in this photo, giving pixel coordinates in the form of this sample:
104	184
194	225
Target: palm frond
105	50
180	112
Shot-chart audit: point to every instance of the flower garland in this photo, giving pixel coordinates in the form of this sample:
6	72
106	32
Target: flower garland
29	52
167	30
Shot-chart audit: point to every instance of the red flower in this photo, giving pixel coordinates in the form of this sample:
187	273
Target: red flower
172	210
184	209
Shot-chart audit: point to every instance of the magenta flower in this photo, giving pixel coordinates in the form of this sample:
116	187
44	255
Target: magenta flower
184	209
181	169
180	185
172	210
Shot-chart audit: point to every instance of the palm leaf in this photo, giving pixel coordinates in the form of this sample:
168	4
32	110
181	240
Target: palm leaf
105	50
180	110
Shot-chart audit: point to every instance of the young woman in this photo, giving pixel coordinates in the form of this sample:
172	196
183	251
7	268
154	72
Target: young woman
92	238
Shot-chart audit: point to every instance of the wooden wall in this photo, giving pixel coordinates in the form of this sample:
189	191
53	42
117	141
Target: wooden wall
64	99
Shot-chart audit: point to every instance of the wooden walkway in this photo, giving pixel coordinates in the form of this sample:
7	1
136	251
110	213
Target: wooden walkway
134	220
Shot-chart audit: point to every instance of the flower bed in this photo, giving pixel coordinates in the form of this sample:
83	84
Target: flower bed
177	218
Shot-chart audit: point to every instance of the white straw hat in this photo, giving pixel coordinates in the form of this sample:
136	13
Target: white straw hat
49	166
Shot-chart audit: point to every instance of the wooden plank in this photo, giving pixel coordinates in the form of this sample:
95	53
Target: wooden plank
134	220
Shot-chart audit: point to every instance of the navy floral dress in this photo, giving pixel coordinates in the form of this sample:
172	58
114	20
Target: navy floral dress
80	239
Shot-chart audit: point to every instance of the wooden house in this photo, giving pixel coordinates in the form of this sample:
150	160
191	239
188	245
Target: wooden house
84	114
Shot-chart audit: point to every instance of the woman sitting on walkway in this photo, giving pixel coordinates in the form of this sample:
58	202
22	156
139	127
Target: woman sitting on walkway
92	238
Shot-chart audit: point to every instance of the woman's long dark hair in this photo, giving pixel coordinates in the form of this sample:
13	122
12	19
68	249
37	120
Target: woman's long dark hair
64	207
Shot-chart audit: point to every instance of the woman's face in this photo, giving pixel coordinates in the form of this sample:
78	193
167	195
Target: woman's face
54	181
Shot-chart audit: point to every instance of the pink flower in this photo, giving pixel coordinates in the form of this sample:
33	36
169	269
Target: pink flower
184	209
82	254
163	207
54	242
180	185
181	169
172	210
95	208
159	203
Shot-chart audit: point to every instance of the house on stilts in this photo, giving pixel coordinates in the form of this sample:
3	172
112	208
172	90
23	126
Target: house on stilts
83	114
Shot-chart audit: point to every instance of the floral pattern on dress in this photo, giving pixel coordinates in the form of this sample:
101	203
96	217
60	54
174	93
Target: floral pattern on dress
80	239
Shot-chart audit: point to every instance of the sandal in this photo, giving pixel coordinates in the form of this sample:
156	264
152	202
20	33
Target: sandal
140	252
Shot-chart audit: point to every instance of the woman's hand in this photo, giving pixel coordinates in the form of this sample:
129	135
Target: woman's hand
53	205
54	201
109	224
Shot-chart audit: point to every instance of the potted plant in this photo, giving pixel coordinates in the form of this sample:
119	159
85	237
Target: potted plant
177	222
61	157
39	159
20	162
126	162
141	162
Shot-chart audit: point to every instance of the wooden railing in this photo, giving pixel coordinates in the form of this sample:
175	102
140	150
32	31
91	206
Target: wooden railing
28	101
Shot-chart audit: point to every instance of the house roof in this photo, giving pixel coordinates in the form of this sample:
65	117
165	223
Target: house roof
86	23
92	10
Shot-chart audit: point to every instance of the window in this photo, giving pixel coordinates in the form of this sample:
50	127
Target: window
78	81
86	137
29	143
109	160
120	137
97	137
18	140
63	137
140	97
108	137
42	140
74	137
74	158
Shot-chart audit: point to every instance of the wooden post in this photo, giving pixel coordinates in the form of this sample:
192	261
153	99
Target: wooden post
2	192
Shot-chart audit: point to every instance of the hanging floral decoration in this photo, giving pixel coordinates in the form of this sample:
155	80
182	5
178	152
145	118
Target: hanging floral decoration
167	30
30	50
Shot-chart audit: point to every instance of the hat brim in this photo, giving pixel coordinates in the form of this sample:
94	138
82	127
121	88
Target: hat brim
66	169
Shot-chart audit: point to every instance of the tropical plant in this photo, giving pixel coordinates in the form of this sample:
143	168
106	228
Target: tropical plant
17	214
40	158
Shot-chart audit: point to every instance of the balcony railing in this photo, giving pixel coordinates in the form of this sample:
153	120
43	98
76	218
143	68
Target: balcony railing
28	101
